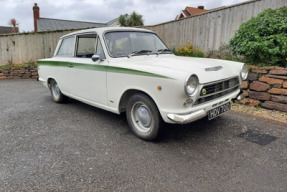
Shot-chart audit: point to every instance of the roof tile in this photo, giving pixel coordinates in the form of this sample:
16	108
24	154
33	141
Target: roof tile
195	11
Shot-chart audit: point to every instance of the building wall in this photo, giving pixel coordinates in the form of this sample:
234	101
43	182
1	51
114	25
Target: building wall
208	31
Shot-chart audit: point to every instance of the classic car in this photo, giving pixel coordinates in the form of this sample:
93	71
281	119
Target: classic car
131	70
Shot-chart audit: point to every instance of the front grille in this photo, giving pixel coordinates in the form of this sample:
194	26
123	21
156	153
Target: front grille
216	90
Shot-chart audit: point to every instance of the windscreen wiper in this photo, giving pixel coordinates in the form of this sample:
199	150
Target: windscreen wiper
139	52
163	50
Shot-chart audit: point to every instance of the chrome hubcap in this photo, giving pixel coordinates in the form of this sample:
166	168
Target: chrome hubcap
55	90
141	117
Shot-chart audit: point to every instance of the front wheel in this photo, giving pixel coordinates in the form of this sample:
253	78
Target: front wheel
56	93
143	116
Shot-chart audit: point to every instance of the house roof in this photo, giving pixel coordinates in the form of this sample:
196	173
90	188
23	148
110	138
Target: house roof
48	24
190	11
186	13
195	11
4	29
113	23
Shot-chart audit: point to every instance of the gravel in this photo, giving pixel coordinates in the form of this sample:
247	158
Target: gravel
261	112
46	146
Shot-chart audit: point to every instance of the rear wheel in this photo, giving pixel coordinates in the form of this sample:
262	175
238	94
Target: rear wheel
56	93
143	116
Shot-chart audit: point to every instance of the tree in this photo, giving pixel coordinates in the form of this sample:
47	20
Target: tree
133	20
123	20
12	22
262	40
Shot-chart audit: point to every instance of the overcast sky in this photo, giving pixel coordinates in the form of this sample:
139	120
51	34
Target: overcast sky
101	11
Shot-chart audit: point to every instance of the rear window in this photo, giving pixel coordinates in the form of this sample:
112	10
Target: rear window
67	47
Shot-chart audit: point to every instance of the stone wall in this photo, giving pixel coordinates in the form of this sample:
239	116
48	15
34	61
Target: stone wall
266	87
18	72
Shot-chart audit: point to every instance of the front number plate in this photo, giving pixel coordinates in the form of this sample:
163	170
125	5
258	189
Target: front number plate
218	111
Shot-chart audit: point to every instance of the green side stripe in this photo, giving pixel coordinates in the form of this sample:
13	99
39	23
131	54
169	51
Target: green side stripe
100	68
134	72
75	65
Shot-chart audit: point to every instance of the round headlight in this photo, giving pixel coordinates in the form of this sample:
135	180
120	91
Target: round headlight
191	84
244	72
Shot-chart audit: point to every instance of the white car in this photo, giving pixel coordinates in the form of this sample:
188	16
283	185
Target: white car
131	70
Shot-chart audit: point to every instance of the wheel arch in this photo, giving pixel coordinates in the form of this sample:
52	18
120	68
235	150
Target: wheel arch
49	81
127	94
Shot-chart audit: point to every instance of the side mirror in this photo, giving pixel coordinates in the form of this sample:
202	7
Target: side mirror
96	58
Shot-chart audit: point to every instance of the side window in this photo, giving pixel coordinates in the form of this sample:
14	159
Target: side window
100	50
67	47
86	46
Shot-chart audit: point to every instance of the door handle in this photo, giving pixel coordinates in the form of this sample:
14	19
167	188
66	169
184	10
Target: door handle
70	65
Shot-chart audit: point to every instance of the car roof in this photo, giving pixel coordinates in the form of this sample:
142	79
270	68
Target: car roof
102	30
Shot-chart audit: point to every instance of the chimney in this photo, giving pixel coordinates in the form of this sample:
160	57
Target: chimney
200	7
36	13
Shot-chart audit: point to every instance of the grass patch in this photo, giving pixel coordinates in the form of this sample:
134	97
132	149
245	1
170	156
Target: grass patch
10	65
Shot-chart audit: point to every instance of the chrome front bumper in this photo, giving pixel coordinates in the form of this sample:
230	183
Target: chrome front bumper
196	115
187	118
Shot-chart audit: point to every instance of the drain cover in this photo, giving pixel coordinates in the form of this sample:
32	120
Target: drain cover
258	138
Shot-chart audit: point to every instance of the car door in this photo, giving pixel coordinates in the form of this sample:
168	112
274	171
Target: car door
87	78
60	62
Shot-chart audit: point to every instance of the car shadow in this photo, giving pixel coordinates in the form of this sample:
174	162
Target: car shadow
195	130
168	132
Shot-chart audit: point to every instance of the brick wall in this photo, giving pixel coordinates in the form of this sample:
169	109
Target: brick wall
28	72
266	87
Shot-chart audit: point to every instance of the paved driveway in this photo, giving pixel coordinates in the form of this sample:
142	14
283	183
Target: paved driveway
46	146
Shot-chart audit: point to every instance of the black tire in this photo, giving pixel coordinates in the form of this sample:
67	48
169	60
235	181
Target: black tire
143	116
56	93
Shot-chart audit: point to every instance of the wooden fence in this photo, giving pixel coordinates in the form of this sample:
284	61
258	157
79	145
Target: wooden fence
28	47
207	31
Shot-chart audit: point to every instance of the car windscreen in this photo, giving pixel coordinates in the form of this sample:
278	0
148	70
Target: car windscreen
120	44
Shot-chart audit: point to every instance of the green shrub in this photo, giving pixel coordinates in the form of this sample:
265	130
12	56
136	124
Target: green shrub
263	39
10	65
223	53
188	50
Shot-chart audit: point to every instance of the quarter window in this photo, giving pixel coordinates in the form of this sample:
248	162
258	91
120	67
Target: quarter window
67	47
100	50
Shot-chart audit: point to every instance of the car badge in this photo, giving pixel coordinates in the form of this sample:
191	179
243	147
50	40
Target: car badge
213	68
203	91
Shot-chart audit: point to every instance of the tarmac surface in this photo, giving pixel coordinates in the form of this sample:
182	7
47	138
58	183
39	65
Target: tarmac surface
46	146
